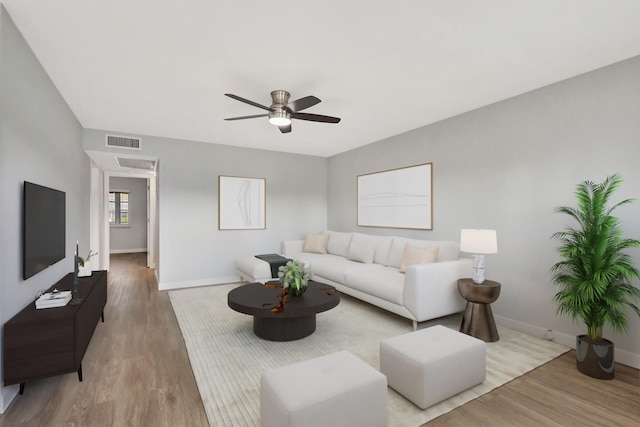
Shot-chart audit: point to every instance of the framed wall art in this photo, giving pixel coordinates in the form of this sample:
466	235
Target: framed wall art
241	203
397	198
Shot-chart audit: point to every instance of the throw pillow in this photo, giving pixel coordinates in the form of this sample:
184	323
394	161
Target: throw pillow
418	255
315	243
338	243
361	252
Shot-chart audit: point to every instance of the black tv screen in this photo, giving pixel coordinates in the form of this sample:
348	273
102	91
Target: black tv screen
43	228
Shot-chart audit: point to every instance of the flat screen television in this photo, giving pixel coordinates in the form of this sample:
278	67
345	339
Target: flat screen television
43	228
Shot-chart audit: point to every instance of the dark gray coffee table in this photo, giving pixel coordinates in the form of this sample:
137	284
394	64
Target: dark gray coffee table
275	321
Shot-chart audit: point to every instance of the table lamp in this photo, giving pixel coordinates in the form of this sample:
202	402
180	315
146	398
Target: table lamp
478	242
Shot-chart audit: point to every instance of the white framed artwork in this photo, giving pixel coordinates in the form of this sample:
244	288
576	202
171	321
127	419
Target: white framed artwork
397	198
241	203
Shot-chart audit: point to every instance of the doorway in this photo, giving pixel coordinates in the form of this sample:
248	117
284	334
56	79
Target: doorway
124	216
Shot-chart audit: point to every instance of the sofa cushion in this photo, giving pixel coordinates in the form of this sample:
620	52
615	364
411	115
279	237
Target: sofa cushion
316	243
361	252
386	283
418	255
448	250
307	258
338	243
332	267
381	244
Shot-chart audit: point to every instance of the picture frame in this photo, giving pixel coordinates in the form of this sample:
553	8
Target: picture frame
242	203
396	198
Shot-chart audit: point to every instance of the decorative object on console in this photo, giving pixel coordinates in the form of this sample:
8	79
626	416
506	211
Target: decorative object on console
294	277
595	274
76	299
84	266
478	242
53	299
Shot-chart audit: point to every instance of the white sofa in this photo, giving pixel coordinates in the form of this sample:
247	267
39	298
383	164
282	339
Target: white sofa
424	292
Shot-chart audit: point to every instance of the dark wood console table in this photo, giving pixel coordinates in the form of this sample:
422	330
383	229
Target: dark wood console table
52	341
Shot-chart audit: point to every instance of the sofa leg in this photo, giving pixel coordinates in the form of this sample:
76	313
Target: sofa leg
415	325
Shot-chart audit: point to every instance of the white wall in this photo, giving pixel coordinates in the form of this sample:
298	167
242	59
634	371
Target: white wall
132	238
506	166
40	142
191	249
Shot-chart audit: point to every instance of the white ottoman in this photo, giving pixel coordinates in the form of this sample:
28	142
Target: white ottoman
334	390
433	364
253	269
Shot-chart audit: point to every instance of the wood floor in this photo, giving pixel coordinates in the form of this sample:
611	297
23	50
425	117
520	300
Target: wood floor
555	394
137	373
136	370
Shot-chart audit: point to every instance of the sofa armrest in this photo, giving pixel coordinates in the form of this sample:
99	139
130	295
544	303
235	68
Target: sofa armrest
431	290
290	247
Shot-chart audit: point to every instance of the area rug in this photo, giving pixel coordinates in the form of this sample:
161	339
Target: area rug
227	358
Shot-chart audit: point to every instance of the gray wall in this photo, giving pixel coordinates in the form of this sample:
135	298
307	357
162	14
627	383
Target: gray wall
192	251
506	166
132	238
40	142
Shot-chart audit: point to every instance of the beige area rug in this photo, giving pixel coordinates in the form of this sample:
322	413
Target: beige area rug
228	359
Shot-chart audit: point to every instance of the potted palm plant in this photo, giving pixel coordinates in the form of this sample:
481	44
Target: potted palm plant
595	273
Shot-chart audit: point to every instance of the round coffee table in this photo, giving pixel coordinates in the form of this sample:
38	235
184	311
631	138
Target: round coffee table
274	320
478	317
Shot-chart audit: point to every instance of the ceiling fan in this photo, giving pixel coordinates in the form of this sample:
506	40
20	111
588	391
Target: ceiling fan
282	111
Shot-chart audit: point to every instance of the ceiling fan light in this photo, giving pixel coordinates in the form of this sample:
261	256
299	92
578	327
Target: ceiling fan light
280	121
279	118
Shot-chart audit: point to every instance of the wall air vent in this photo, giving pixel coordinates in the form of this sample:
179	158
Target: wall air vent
119	141
146	165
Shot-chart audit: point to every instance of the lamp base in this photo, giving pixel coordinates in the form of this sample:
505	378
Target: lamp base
478	269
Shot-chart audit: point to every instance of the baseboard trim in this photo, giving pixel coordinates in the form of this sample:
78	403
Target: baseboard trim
166	286
624	357
7	395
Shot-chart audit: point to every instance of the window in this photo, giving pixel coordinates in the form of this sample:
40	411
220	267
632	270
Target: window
119	208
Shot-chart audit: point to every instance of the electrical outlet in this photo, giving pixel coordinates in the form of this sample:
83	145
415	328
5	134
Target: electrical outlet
548	335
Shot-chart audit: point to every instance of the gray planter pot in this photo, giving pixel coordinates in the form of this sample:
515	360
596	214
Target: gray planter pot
595	359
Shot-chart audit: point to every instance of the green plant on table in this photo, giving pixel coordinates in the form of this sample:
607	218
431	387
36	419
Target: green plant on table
294	277
83	261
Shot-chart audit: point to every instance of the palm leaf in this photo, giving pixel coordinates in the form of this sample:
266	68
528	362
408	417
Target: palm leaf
594	273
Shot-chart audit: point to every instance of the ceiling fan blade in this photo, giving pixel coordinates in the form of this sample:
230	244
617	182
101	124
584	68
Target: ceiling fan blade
285	129
302	103
315	118
246	101
248	117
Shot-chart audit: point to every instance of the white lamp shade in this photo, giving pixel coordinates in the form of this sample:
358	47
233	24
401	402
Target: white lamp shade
478	241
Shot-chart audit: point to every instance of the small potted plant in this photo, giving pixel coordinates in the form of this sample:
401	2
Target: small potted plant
84	268
294	277
595	273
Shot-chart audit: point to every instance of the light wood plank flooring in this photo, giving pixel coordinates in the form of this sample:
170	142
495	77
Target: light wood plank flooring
137	373
555	394
136	370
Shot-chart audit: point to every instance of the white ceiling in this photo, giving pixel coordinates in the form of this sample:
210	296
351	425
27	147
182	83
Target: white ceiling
158	67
